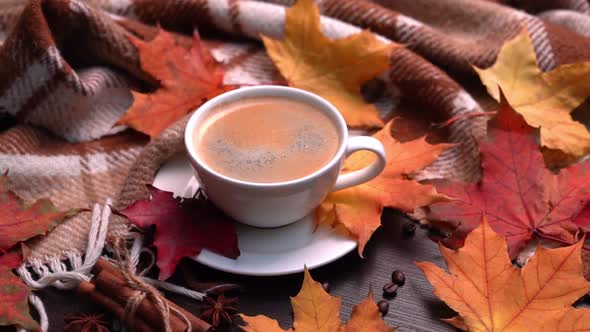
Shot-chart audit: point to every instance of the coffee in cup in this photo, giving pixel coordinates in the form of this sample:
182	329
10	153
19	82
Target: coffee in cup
267	139
268	155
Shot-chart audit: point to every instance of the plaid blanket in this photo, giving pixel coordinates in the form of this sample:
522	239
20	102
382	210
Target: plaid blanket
67	69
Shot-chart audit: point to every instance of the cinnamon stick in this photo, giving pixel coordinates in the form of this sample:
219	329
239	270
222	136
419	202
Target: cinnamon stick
89	290
103	264
110	281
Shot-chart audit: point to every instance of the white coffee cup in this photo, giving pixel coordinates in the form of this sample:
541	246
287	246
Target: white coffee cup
281	203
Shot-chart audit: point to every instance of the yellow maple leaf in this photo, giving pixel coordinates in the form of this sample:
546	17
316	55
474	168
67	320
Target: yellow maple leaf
314	309
359	208
317	311
545	100
333	69
366	317
490	294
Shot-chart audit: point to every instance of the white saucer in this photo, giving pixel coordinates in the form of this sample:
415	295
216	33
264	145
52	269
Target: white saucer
264	251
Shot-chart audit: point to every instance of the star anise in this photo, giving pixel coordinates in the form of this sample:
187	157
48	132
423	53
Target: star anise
85	323
220	311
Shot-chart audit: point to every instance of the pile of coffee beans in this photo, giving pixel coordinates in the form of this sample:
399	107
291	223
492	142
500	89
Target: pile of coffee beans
398	279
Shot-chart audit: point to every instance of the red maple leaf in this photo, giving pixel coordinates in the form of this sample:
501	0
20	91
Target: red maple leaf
183	227
519	195
11	260
14	302
19	222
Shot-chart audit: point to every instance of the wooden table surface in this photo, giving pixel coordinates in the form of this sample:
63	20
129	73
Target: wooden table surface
414	308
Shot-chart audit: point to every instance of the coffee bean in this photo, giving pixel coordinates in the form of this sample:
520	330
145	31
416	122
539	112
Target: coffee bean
383	307
409	229
390	289
398	277
327	286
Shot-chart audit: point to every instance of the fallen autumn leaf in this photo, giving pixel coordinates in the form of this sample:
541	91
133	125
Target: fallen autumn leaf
20	222
490	294
315	310
333	69
14	302
545	100
517	193
183	227
187	78
359	208
11	260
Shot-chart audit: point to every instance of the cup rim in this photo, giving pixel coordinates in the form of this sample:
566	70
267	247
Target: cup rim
260	91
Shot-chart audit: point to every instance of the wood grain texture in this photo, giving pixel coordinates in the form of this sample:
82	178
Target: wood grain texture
414	309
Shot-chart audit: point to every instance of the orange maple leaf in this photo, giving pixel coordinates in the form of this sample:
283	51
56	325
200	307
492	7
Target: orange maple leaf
187	79
490	294
20	222
359	208
315	310
333	69
366	317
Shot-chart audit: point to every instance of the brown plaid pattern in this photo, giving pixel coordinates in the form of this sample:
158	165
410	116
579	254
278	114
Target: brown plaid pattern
67	68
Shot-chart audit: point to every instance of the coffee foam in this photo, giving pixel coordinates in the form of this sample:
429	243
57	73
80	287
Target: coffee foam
246	159
267	139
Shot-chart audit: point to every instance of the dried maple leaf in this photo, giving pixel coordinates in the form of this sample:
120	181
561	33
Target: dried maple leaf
19	222
333	69
315	310
490	294
574	320
359	208
520	197
14	302
183	227
187	79
545	100
11	260
366	317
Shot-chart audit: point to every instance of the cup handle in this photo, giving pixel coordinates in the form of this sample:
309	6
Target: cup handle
357	177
